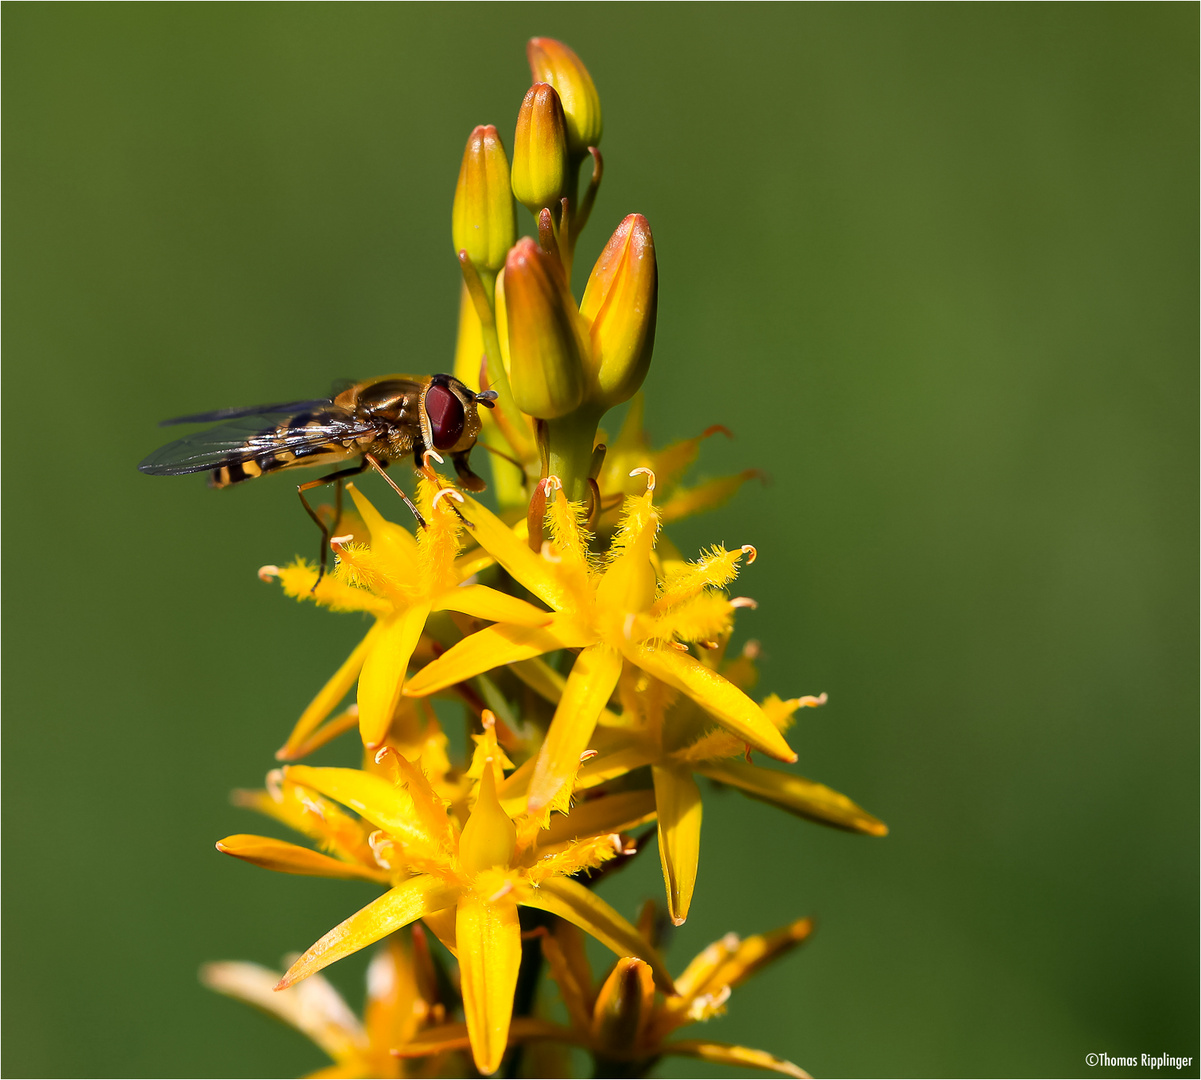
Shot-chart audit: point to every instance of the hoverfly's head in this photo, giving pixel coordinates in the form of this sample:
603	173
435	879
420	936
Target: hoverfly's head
450	411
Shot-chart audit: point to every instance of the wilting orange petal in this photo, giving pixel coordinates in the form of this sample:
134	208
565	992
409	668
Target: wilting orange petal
293	859
489	937
799	796
396	908
314	1007
591	683
678	803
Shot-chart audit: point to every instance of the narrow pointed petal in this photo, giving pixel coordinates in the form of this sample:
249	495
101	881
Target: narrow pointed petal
492	647
371	796
485	603
722	699
394	1007
799	796
396	908
514	554
591	683
684	502
293	859
315	1008
545	681
572	901
326	733
390	540
489	937
330	695
678	802
609	814
728	1054
384	671
756	952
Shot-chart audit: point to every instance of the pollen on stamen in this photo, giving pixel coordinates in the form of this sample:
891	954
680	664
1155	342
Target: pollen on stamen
432	454
744	602
751	554
549	484
338	541
449	492
752	649
809	701
650	476
269	572
588	755
274	784
549	553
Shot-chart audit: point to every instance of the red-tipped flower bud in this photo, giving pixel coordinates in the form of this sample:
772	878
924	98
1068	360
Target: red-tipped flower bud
553	62
620	304
540	149
483	221
542	337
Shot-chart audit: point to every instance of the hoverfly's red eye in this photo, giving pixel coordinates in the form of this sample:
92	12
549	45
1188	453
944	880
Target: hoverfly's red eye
446	416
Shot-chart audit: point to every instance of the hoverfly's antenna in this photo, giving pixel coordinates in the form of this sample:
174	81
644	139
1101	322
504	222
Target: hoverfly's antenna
487	398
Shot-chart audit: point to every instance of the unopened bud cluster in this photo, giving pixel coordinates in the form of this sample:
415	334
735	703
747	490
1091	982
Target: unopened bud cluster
558	365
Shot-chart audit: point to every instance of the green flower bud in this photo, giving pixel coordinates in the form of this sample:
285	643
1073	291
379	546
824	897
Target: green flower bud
540	150
620	305
543	341
483	220
553	62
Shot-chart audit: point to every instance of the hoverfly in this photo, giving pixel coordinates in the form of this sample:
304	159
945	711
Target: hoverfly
379	421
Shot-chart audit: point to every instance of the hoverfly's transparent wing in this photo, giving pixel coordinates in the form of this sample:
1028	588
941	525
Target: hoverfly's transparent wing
286	408
268	437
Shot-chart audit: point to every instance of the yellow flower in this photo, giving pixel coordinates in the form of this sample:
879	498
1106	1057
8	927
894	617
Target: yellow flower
396	1010
674	736
400	579
468	883
626	1023
610	612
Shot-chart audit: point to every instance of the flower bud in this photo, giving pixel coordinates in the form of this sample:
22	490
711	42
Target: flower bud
542	338
623	1006
540	149
483	222
553	62
620	303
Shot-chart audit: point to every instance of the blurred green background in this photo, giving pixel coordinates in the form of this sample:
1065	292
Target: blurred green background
934	265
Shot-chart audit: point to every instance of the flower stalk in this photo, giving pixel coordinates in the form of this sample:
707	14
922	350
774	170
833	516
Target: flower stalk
587	656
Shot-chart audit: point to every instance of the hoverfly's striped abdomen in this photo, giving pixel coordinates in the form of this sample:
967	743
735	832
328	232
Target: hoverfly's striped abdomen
291	444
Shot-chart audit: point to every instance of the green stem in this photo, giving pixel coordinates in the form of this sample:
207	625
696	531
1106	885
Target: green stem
569	441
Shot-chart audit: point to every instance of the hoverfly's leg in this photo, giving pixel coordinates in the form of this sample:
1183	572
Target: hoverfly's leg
466	477
332	478
379	467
